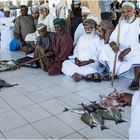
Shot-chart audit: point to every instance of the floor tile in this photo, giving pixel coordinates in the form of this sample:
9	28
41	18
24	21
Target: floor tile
54	106
74	136
33	113
4	107
11	120
73	100
9	92
25	132
57	91
19	101
72	119
52	128
96	133
39	96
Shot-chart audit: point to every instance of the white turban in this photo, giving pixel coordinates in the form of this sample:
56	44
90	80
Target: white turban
6	9
94	17
128	4
45	5
85	10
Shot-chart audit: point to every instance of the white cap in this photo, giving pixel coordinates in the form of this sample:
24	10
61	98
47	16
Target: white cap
85	10
128	4
77	2
6	9
94	17
45	5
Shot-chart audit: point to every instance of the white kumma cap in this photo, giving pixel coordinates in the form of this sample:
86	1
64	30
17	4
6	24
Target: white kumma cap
128	4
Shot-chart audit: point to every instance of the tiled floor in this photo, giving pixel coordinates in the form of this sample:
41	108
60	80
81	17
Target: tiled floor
33	109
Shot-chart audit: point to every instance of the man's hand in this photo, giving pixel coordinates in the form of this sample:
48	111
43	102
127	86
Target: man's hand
125	98
123	54
77	62
114	47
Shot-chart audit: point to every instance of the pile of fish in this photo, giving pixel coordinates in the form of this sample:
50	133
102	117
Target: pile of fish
4	84
94	114
7	65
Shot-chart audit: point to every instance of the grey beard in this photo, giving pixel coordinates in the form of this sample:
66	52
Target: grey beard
42	16
90	35
131	19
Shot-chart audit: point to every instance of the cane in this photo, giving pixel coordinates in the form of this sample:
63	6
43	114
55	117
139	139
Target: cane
115	57
30	61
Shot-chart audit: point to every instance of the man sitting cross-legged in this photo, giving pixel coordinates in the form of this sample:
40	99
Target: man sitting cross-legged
84	62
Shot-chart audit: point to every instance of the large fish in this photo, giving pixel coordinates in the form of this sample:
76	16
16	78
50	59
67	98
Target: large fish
116	114
75	110
89	108
106	115
4	84
97	119
87	119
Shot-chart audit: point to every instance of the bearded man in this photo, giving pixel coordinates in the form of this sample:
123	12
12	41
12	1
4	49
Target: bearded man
46	17
83	64
128	46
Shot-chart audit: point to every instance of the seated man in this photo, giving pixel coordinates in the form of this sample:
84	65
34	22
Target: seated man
60	48
134	100
43	43
126	35
84	62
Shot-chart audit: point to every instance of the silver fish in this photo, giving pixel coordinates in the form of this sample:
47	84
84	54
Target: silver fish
87	119
98	120
75	110
106	115
116	114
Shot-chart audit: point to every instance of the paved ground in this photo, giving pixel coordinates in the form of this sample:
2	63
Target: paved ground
33	109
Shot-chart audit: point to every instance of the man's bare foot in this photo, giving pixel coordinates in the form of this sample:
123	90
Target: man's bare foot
134	85
77	77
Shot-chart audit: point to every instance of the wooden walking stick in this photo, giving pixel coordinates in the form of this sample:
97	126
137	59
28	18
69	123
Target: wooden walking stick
116	53
30	61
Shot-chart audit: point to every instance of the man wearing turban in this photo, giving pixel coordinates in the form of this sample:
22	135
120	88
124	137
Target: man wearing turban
127	47
60	48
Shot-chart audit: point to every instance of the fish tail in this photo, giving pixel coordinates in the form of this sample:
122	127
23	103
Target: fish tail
92	126
10	85
65	110
121	121
103	127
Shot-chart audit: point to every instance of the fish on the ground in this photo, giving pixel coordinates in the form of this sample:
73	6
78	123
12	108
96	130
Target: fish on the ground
97	119
116	114
6	65
75	110
4	84
106	115
87	119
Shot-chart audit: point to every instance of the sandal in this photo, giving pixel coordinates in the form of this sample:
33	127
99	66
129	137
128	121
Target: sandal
134	85
77	77
93	77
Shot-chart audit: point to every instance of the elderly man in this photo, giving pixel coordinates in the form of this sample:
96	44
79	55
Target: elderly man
24	25
60	48
43	43
128	47
46	17
80	29
83	64
6	28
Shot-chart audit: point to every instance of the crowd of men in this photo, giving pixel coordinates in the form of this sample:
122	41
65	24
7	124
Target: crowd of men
79	45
